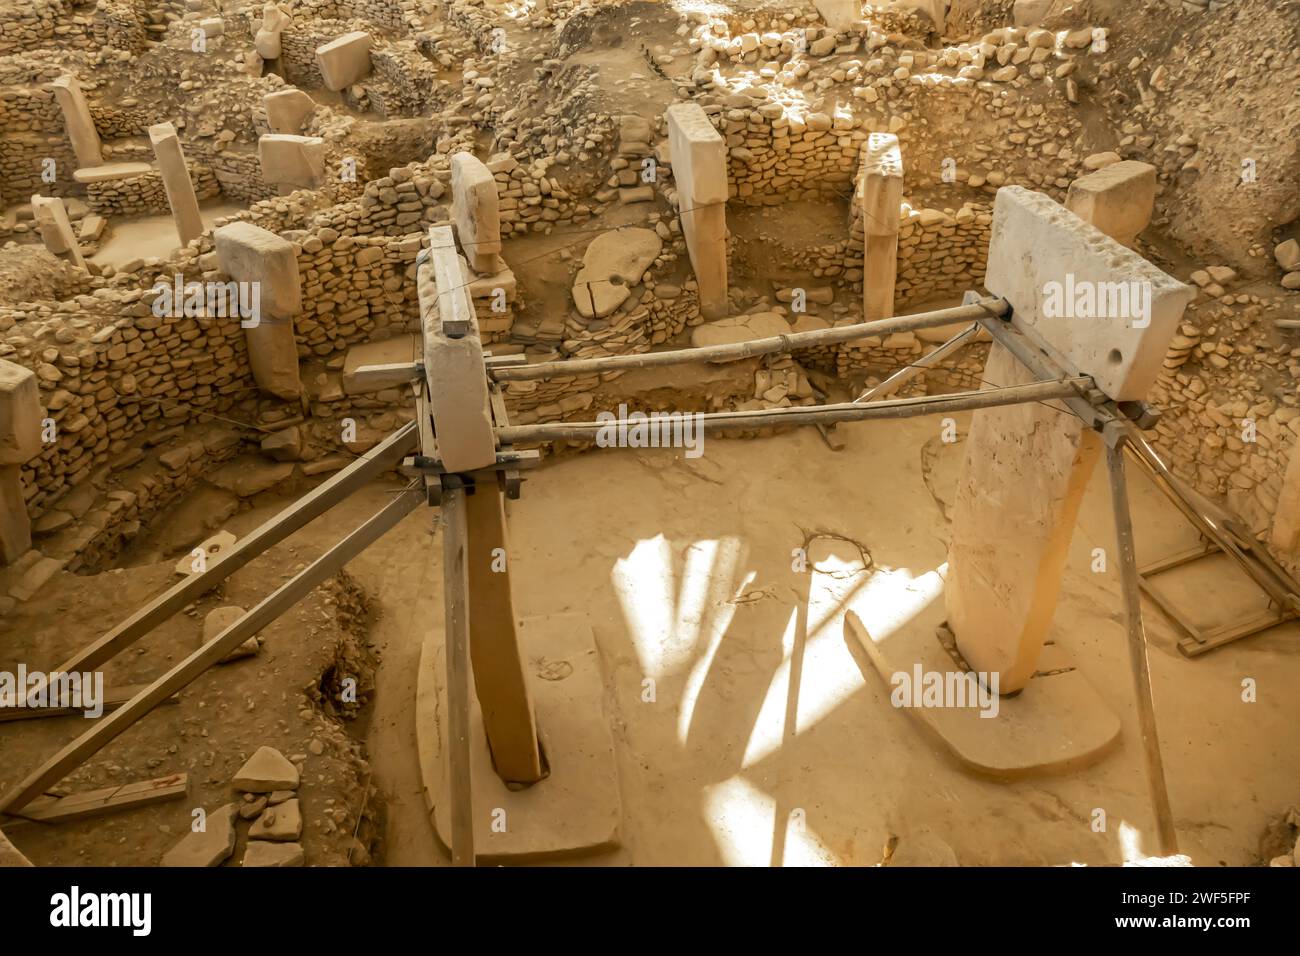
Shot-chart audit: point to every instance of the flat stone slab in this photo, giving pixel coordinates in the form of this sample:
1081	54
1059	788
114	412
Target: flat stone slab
574	811
1103	309
281	823
613	263
264	853
246	478
110	171
1057	723
740	328
208	848
344	60
1117	199
399	349
266	771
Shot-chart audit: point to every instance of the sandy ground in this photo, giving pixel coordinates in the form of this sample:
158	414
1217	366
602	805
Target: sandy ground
150	236
764	704
684	569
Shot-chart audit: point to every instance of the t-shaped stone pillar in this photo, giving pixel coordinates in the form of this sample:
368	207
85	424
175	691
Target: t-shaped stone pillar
20	441
476	210
292	161
1027	466
1118	199
287	110
56	229
248	253
267	40
344	60
453	358
699	156
881	189
77	119
176	180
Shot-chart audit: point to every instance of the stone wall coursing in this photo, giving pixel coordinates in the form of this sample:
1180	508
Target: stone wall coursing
145	195
298	47
238	173
941	252
107	375
110	507
394	14
120	25
36	24
22	160
408	83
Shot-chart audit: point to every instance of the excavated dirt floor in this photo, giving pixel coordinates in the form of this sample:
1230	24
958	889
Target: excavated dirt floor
684	570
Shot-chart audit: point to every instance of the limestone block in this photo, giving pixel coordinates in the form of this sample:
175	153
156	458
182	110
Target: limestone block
838	14
882	184
292	160
77	119
1030	13
399	350
700	171
56	230
15	525
287	110
248	253
176	181
1103	309
476	211
881	191
1026	469
344	60
1118	199
20	414
1286	519
699	154
109	172
458	394
739	328
275	19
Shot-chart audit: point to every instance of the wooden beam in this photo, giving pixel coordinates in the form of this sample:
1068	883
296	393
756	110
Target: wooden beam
455	570
184	673
499	665
369	466
97	803
114	698
1137	642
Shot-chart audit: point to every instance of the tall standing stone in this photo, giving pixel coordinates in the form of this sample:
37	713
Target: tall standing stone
20	441
476	210
51	217
881	189
77	119
176	180
248	253
1027	466
699	157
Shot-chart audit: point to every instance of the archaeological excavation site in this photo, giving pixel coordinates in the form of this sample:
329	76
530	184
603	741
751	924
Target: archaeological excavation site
649	433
